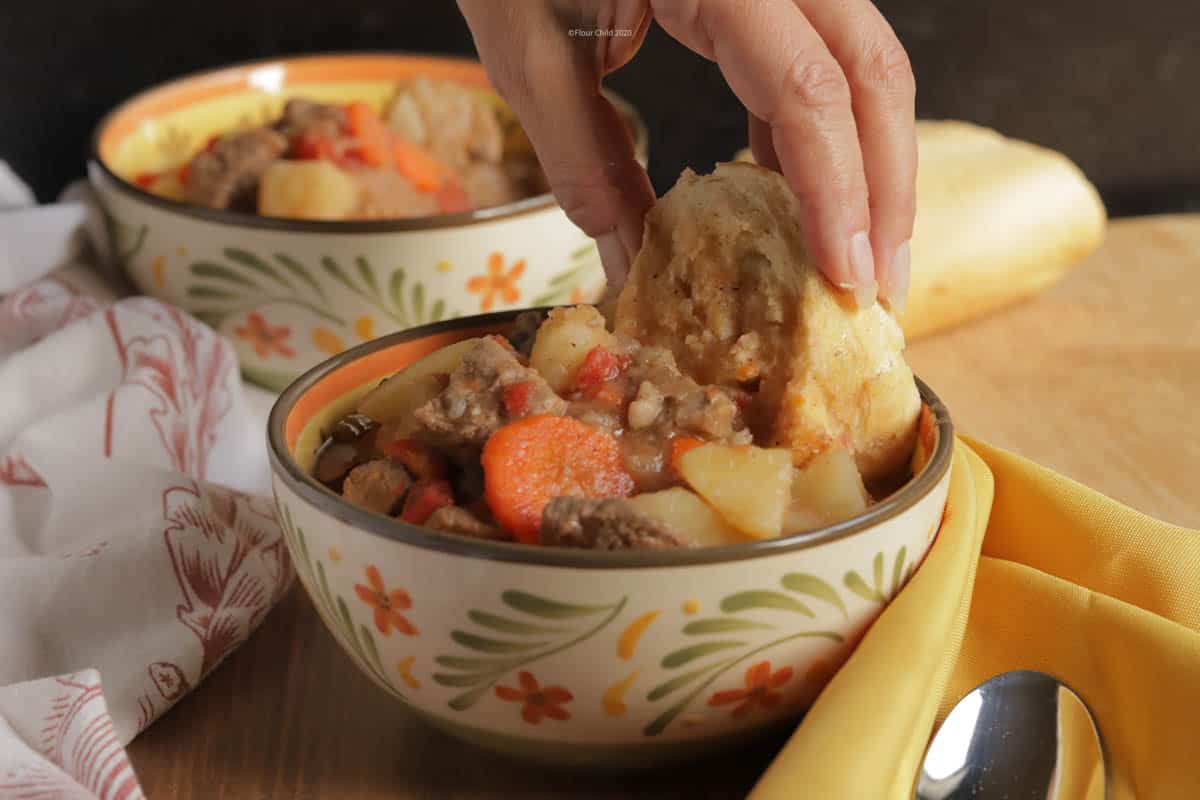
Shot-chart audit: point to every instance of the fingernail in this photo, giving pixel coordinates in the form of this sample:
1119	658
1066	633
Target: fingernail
614	258
895	290
862	270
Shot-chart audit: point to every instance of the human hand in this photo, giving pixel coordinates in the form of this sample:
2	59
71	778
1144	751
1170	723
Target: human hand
828	90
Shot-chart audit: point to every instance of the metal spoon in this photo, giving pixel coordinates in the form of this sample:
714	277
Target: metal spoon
1018	735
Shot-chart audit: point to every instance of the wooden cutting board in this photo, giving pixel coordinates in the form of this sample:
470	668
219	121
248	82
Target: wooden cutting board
1098	378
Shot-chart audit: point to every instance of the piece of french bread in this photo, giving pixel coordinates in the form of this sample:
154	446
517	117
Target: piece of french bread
724	282
998	220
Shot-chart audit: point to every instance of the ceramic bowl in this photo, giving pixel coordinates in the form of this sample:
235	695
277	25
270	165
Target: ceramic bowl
577	657
290	293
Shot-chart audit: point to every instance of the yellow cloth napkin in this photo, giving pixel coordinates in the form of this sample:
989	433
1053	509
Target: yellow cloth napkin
1030	571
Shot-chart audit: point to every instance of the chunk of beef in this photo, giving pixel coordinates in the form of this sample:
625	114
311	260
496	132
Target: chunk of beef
227	176
669	403
304	117
612	524
378	485
480	398
456	519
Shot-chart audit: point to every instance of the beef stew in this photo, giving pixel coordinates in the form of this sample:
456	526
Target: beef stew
567	435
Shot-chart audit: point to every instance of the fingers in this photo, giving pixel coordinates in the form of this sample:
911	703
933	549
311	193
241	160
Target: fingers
883	98
760	143
780	68
551	79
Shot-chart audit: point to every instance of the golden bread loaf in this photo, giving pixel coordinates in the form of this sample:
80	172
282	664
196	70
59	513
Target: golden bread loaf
998	220
724	282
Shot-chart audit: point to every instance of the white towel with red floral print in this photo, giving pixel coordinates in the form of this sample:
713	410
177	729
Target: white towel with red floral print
137	545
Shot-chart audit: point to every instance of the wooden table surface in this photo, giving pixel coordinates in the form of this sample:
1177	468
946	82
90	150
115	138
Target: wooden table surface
1097	378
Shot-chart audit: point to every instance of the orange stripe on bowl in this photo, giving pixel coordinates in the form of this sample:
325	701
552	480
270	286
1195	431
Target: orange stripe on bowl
369	367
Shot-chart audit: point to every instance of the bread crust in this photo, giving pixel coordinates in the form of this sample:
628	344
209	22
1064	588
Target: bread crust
998	221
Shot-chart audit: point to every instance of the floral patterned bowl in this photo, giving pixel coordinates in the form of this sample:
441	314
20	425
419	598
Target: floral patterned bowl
579	657
290	293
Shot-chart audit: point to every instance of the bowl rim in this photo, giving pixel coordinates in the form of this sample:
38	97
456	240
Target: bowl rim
285	467
526	205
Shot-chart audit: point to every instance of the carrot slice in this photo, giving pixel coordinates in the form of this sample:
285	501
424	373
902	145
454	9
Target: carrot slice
529	462
372	134
417	165
516	397
452	198
682	444
419	458
425	497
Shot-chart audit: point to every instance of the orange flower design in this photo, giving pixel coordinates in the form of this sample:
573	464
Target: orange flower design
387	604
536	702
497	283
761	684
266	339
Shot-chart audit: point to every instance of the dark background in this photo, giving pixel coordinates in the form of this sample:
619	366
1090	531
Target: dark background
1111	83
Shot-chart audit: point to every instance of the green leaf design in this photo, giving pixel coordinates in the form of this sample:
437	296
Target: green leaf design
301	540
207	269
856	584
508	625
898	569
301	272
369	645
396	290
368	276
561	285
468	699
464	680
759	598
811	585
418	301
347	625
702	627
512	654
679	681
547	609
685	655
562	278
251	261
201	292
476	664
324	587
584	250
877	569
486	645
438	311
338	275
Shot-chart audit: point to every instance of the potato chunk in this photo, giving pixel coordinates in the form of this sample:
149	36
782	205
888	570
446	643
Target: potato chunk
688	515
748	486
307	190
564	340
829	489
394	401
